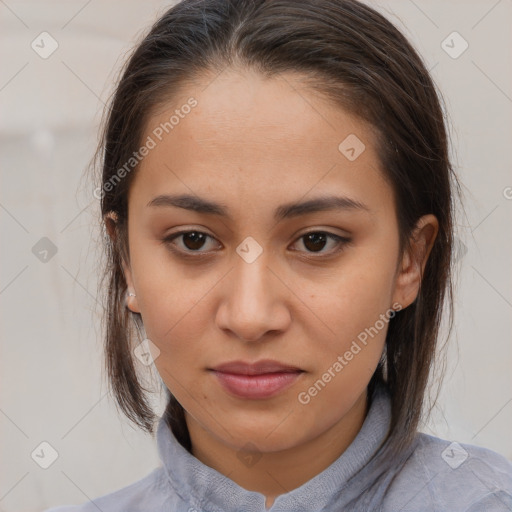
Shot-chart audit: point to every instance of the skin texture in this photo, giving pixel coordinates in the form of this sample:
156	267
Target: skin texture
254	144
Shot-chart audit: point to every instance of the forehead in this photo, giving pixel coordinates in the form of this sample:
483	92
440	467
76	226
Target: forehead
256	137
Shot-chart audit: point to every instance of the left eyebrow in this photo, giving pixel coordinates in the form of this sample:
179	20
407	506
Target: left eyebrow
285	211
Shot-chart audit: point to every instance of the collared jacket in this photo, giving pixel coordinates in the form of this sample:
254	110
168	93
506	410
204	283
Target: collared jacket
435	475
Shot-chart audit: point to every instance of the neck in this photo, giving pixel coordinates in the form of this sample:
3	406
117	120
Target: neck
282	471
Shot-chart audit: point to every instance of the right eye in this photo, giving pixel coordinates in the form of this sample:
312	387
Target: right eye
190	242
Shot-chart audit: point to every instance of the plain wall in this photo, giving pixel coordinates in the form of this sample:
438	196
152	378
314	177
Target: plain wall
53	387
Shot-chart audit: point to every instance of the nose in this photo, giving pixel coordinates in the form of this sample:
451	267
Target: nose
254	301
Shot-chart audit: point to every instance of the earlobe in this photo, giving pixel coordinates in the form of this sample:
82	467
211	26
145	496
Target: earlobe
131	302
131	298
414	260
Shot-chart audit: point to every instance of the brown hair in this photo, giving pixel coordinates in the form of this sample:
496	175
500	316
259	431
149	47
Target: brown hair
359	61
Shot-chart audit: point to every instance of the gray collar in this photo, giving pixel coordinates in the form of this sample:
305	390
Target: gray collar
206	489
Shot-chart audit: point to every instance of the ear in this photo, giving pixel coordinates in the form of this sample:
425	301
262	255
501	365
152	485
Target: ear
414	260
110	220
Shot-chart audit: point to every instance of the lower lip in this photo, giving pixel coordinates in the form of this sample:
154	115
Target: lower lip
256	386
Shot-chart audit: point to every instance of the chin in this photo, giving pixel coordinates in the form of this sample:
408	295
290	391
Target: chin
269	435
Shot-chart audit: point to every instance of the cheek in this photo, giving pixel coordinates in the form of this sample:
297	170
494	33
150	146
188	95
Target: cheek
169	301
354	299
355	307
175	311
357	311
175	320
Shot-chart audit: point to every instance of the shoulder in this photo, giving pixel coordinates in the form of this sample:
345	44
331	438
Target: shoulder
450	476
143	495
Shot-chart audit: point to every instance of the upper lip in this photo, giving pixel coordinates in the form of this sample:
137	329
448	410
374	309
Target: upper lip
256	368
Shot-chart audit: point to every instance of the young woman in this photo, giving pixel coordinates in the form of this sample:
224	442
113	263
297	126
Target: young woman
279	202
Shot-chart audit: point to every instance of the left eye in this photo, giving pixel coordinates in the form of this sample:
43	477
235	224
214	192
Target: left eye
314	241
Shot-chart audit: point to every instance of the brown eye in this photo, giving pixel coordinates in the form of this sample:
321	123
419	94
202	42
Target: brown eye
194	240
189	242
316	241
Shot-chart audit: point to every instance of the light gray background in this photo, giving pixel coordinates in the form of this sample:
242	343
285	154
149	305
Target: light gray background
53	388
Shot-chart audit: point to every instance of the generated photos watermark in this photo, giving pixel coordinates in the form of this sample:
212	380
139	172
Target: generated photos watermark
151	142
304	397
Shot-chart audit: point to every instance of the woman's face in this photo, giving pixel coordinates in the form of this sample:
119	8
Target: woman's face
247	283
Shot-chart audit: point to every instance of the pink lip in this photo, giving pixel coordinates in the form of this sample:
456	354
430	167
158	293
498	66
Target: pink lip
259	380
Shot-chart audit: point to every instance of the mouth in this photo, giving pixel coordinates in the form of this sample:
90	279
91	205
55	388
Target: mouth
260	380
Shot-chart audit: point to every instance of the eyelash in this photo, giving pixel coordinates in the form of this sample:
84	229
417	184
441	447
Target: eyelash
341	243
